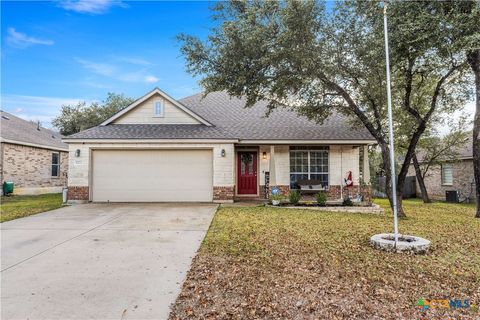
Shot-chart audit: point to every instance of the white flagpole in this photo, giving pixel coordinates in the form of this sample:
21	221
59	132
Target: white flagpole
390	128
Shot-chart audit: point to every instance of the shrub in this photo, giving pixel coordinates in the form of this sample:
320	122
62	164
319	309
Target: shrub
347	202
321	199
294	196
276	197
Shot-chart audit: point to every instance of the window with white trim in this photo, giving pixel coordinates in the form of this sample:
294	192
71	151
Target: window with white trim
308	162
56	164
158	108
447	174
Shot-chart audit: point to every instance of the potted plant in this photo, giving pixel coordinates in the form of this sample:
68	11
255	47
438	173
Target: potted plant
276	198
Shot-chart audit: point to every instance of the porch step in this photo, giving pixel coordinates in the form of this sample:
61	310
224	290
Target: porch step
250	199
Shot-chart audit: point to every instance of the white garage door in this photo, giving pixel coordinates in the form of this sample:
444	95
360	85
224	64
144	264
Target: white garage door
152	175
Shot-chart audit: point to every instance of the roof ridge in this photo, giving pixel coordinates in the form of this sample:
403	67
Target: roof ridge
192	95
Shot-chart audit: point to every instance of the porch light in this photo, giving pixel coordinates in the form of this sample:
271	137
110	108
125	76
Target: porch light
222	153
264	155
77	153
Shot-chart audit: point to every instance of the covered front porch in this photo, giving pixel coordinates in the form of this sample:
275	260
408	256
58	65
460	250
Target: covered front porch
339	170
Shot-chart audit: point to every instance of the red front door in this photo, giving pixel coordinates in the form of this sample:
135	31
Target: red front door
247	172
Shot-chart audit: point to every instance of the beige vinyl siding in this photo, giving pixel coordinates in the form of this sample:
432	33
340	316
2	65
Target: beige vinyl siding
341	160
145	114
152	175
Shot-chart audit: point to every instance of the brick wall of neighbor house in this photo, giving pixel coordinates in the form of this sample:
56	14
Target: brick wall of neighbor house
462	180
30	169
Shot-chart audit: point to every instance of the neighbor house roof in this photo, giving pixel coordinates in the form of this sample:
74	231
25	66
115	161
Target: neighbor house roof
461	152
230	120
18	131
465	151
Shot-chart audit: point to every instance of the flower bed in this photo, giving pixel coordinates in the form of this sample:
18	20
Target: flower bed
333	206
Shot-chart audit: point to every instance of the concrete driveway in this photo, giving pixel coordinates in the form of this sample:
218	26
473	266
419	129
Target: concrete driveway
99	261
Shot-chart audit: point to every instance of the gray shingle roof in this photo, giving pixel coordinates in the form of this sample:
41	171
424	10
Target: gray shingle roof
22	131
465	151
153	131
461	151
231	120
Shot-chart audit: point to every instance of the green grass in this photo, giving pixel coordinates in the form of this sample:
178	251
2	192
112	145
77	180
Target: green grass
14	207
322	262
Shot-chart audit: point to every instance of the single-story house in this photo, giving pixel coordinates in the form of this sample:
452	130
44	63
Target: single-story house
453	174
34	158
212	149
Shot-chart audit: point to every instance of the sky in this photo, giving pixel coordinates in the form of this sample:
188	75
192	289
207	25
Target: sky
63	52
55	53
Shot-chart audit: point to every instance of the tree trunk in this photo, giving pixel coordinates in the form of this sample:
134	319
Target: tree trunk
421	181
474	61
401	213
386	167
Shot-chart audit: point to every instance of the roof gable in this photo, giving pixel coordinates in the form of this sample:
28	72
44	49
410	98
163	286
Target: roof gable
142	112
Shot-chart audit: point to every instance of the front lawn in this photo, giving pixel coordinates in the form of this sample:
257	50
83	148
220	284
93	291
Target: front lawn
14	207
299	264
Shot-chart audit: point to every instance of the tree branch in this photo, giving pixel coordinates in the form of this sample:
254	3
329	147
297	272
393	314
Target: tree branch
354	107
423	125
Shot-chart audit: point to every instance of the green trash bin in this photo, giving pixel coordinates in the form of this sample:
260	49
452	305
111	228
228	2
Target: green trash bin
7	187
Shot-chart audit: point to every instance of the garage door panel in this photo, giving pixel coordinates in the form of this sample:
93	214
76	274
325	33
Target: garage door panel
152	175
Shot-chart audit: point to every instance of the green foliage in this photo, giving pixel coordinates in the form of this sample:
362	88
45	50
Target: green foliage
294	196
278	197
75	118
347	202
321	199
435	149
292	54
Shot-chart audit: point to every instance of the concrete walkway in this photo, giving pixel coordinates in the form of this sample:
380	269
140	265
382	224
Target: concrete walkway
99	261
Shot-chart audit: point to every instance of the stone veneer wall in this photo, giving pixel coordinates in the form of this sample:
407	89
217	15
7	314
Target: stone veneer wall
462	180
284	190
223	193
30	169
78	193
334	193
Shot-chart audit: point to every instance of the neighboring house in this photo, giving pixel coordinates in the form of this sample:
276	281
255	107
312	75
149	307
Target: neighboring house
34	158
211	149
450	175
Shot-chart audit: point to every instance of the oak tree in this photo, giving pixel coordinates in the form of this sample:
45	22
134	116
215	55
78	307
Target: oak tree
318	60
